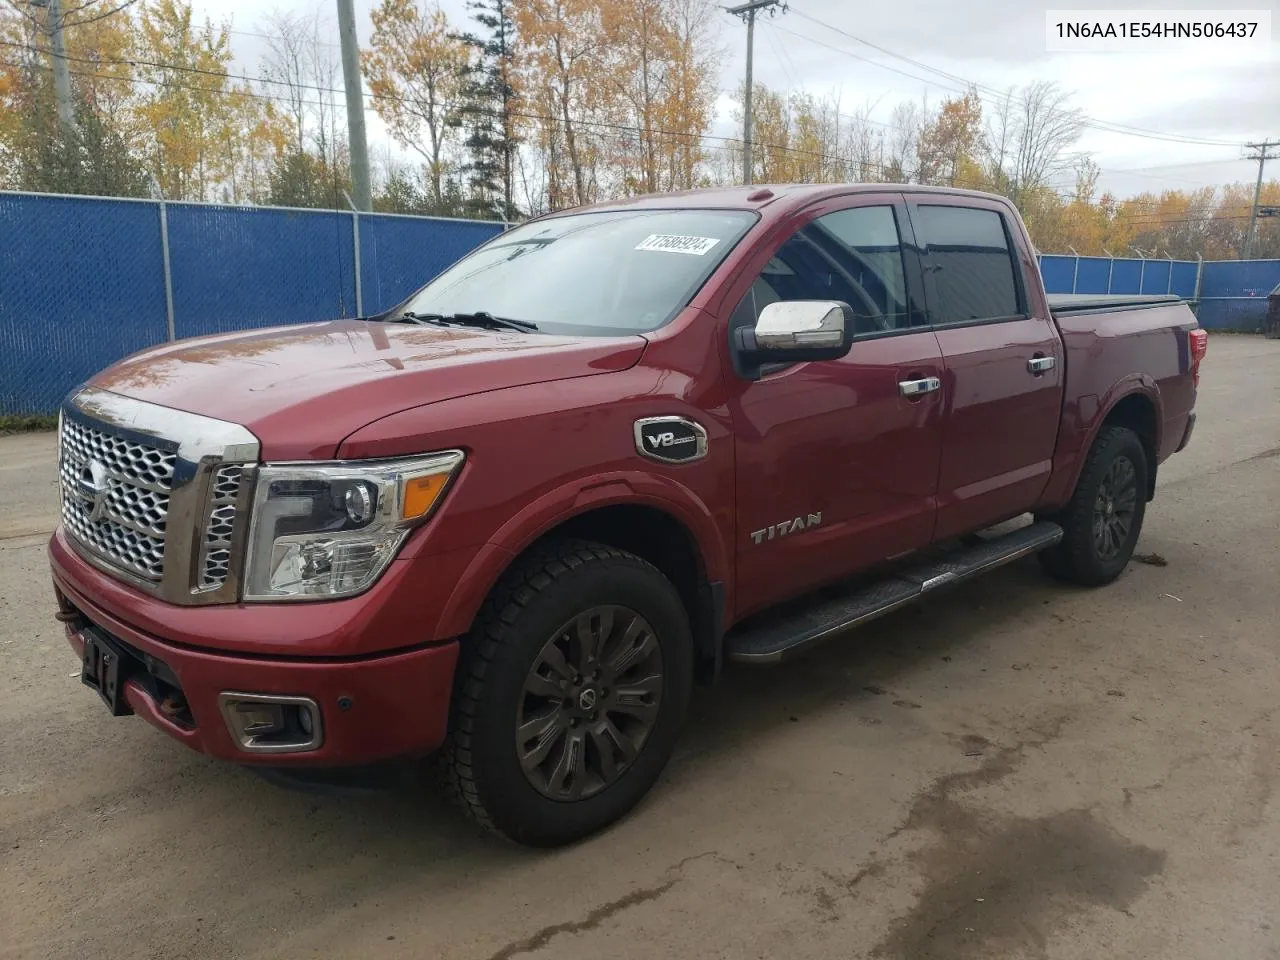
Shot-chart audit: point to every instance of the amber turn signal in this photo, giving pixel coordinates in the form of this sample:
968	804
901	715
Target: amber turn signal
421	494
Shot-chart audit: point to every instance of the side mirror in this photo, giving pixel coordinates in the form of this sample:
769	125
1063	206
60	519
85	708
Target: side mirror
796	331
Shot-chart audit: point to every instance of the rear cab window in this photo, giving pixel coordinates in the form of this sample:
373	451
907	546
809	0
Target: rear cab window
970	264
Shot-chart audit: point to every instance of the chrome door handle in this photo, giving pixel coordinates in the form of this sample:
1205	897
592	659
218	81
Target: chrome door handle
915	388
1040	364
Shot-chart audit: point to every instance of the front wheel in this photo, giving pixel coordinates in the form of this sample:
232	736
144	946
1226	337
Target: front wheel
572	688
1102	522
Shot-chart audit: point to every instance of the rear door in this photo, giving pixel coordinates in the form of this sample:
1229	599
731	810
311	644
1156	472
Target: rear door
837	462
1002	389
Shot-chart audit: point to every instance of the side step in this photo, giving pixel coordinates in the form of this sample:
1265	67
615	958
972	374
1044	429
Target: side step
779	639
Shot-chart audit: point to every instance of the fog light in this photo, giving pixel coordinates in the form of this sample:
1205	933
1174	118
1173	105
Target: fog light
260	719
271	723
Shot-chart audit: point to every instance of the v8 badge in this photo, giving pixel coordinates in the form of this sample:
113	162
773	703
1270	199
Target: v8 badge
670	439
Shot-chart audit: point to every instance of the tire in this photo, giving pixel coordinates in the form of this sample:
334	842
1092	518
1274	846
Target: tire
1085	555
540	620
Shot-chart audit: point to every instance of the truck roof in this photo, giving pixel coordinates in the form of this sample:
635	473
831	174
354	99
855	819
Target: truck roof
783	197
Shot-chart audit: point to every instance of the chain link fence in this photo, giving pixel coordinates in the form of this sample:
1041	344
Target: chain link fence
85	281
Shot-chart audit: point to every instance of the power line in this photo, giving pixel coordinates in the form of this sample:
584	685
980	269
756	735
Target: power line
299	85
966	84
276	98
841	50
725	143
684	138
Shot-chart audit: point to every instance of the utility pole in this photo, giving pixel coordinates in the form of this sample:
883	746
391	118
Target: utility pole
61	68
747	11
355	105
1262	156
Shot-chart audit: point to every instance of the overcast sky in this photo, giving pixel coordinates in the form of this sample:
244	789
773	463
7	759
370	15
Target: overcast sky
1213	94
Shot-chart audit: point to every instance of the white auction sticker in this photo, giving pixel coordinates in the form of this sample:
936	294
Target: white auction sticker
1080	31
672	243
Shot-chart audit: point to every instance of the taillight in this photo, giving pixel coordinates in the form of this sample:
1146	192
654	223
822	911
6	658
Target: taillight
1198	341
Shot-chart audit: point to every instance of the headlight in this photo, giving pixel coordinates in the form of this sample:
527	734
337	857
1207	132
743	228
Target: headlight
321	531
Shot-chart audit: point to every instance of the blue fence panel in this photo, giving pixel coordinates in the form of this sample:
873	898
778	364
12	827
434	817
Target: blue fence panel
1057	273
1234	293
82	278
81	285
237	268
1100	275
1126	276
1240	278
1245	316
400	254
1094	275
1157	276
1184	278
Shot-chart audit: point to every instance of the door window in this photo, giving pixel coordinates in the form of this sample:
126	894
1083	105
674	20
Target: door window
854	256
971	264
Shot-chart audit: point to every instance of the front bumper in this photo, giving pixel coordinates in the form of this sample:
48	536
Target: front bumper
372	707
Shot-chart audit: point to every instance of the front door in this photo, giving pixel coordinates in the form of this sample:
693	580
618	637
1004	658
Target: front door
837	462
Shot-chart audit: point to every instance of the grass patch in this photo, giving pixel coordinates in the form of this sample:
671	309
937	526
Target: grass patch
27	423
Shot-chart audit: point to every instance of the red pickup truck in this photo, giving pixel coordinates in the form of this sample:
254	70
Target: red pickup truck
517	520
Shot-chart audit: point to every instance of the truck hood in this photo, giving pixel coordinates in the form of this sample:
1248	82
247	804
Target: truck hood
303	389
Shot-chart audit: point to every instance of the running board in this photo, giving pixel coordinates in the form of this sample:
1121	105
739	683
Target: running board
779	639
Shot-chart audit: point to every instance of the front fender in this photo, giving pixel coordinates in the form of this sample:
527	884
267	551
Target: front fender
544	514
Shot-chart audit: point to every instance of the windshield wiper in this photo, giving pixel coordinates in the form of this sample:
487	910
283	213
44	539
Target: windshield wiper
480	318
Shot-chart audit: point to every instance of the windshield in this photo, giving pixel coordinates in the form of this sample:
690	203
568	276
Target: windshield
605	274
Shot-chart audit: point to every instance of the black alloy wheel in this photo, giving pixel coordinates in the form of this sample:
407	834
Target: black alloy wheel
589	703
1113	508
1102	522
570	693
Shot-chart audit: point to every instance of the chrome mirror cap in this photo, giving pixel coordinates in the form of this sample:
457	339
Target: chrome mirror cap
801	325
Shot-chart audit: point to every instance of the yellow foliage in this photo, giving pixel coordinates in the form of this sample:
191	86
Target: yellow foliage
562	63
414	70
188	111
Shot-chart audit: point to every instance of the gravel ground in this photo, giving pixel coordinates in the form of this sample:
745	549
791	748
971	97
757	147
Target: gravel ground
1015	769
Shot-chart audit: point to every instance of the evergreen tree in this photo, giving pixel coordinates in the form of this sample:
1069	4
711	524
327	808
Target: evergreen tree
489	100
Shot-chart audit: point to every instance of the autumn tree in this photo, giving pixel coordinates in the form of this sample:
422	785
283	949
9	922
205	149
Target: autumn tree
186	108
662	79
564	75
691	90
415	68
35	154
300	73
1029	137
948	143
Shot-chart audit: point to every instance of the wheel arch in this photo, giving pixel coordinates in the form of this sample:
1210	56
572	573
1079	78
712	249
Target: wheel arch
677	534
1134	403
1137	411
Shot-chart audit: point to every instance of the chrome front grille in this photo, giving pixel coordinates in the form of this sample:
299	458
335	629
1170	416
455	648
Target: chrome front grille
215	561
115	496
156	496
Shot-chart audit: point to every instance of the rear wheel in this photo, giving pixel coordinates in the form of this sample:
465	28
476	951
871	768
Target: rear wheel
1103	521
573	687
